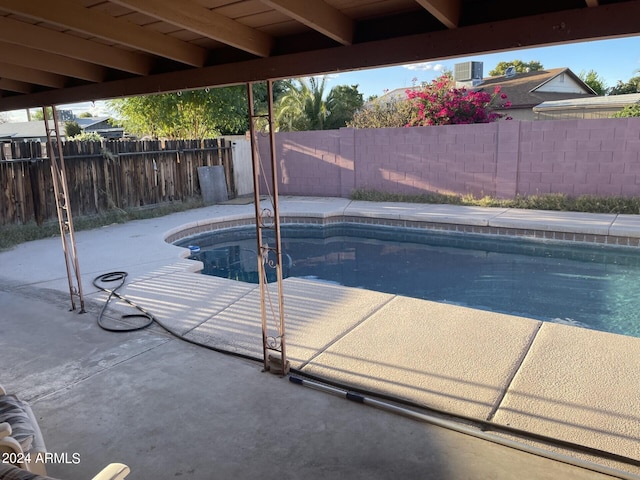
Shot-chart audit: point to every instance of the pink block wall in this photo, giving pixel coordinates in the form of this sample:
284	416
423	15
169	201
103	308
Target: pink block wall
502	159
576	157
309	163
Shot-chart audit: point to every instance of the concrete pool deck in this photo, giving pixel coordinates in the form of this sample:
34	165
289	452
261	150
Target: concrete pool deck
553	380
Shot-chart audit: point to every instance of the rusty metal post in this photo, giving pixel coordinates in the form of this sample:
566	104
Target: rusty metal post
276	362
65	218
276	227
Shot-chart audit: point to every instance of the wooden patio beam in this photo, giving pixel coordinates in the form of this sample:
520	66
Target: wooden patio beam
15	86
446	11
606	21
193	17
31	75
39	38
72	15
39	60
321	17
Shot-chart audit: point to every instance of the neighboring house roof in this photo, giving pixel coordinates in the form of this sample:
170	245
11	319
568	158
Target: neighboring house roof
526	90
611	101
25	130
20	131
85	123
392	95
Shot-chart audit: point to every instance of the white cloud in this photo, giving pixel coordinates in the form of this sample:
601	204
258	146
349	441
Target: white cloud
425	67
422	66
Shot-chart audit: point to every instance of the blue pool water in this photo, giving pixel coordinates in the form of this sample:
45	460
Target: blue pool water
588	286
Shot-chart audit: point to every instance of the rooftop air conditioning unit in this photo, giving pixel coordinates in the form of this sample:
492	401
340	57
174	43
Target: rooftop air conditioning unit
467	71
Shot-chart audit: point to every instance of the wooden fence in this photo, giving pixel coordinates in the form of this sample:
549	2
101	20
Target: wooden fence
100	177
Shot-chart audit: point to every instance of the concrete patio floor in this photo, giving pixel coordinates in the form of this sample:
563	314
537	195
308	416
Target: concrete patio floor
168	408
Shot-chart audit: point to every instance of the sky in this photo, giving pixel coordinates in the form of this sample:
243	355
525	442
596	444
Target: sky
613	60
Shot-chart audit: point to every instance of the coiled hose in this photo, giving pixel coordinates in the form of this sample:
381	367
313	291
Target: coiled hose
121	277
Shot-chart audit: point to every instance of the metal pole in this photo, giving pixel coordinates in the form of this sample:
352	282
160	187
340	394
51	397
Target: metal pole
65	218
268	219
276	225
256	201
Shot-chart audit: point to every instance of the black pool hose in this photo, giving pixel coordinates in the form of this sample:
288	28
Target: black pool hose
149	318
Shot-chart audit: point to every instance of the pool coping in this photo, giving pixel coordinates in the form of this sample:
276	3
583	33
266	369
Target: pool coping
605	233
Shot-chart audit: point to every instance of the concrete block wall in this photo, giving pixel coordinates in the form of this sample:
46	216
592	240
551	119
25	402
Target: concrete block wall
580	157
449	159
503	159
309	163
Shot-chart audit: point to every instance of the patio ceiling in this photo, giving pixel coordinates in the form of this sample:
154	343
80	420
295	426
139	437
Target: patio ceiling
64	51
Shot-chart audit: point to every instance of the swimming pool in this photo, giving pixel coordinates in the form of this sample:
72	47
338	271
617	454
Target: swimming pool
588	286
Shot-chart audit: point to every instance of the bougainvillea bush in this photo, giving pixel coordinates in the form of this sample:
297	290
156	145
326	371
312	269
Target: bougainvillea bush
440	103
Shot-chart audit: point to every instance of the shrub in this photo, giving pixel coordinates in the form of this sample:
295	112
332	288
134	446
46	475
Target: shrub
440	103
86	137
382	114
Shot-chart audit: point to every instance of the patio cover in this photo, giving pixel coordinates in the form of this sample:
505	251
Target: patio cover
63	51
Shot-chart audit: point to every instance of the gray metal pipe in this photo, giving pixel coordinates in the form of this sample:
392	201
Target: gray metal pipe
460	428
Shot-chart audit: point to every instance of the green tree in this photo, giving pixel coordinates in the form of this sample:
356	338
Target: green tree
302	105
85	115
72	129
260	94
521	67
38	115
184	115
343	102
595	81
630	86
628	111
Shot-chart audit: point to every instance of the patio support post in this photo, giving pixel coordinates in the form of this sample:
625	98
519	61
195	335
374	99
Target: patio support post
63	207
269	256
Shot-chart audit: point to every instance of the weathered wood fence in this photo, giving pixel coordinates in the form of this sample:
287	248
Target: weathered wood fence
100	177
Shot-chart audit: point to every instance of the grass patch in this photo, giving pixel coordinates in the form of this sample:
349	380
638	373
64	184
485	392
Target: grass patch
552	201
11	235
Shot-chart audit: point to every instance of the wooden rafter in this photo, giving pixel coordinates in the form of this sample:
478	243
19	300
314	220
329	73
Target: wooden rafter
612	20
196	18
31	75
321	17
72	15
39	60
446	11
14	86
39	38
